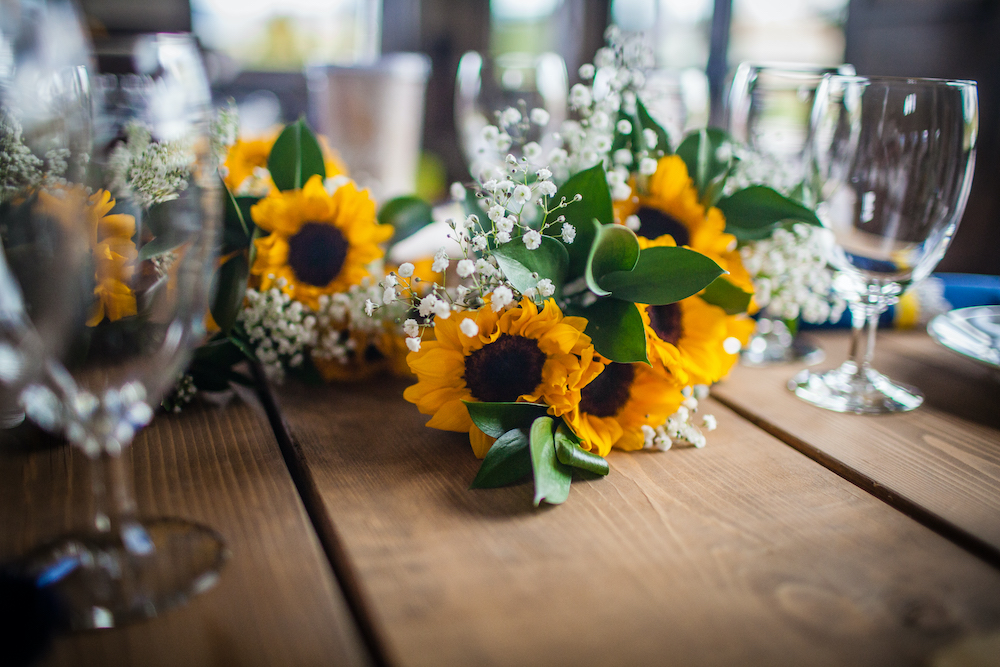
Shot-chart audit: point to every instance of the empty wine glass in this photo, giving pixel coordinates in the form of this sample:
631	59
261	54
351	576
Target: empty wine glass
768	113
486	86
152	220
895	158
44	146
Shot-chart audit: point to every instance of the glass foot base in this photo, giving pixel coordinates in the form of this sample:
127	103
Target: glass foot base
845	390
769	349
104	580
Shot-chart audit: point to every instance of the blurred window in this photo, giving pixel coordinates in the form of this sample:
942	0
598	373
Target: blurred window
803	31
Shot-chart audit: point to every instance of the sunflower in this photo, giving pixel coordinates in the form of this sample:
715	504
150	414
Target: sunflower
111	246
616	404
247	156
520	354
670	206
318	243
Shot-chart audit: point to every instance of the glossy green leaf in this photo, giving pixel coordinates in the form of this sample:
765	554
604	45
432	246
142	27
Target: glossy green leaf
524	268
235	215
572	454
295	157
552	478
238	225
159	246
663	275
700	152
615	328
406	214
231	287
592	184
615	249
753	212
495	419
647	122
507	462
726	295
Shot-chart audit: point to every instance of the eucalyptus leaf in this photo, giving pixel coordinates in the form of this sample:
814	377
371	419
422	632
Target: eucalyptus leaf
616	330
572	454
507	462
663	274
552	478
406	214
615	249
753	212
495	419
524	268
295	157
230	289
726	295
592	185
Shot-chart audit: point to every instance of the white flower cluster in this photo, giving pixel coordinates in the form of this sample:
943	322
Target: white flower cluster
680	426
615	80
280	329
516	200
344	313
21	169
149	172
790	274
183	393
225	130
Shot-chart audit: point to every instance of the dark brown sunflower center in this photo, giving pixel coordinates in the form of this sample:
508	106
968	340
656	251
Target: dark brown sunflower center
666	322
654	223
316	253
507	368
608	393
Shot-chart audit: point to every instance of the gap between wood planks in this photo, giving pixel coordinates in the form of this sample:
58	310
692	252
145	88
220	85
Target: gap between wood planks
304	483
974	545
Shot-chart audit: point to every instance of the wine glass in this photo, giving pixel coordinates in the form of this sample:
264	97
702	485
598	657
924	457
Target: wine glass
486	86
768	113
152	221
895	159
45	141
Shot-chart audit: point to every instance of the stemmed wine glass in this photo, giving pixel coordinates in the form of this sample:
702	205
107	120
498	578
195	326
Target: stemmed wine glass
152	219
768	113
895	159
486	86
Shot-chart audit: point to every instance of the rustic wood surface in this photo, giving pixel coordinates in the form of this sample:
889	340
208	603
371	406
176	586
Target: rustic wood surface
943	459
745	552
277	602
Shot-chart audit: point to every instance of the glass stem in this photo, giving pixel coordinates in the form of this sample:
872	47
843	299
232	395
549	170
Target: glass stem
864	325
114	500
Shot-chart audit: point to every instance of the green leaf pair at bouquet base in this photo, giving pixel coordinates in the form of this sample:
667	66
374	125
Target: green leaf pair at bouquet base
530	444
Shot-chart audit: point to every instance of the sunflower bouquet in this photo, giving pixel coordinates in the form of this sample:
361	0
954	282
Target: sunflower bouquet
591	292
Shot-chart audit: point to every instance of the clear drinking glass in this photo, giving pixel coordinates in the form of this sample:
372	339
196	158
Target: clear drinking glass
768	113
152	221
45	142
895	159
486	86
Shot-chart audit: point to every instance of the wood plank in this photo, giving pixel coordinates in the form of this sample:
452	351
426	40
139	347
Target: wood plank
744	552
277	602
941	462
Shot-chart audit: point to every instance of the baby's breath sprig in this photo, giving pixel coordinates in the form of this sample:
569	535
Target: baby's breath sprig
681	426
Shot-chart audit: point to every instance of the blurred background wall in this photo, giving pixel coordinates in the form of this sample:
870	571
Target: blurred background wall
256	51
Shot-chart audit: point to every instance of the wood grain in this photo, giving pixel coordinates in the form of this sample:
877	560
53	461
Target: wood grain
943	458
276	603
745	552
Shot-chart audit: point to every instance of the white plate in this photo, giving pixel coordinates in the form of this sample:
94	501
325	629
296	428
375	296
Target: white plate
972	332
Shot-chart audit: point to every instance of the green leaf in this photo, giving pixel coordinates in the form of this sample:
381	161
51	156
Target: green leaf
231	287
753	212
495	419
524	268
592	184
700	152
295	157
615	328
572	454
646	122
552	478
726	295
406	214
614	249
159	246
507	462
234	214
663	275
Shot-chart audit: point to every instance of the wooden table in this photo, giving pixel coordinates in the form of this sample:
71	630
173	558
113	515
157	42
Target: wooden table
797	537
